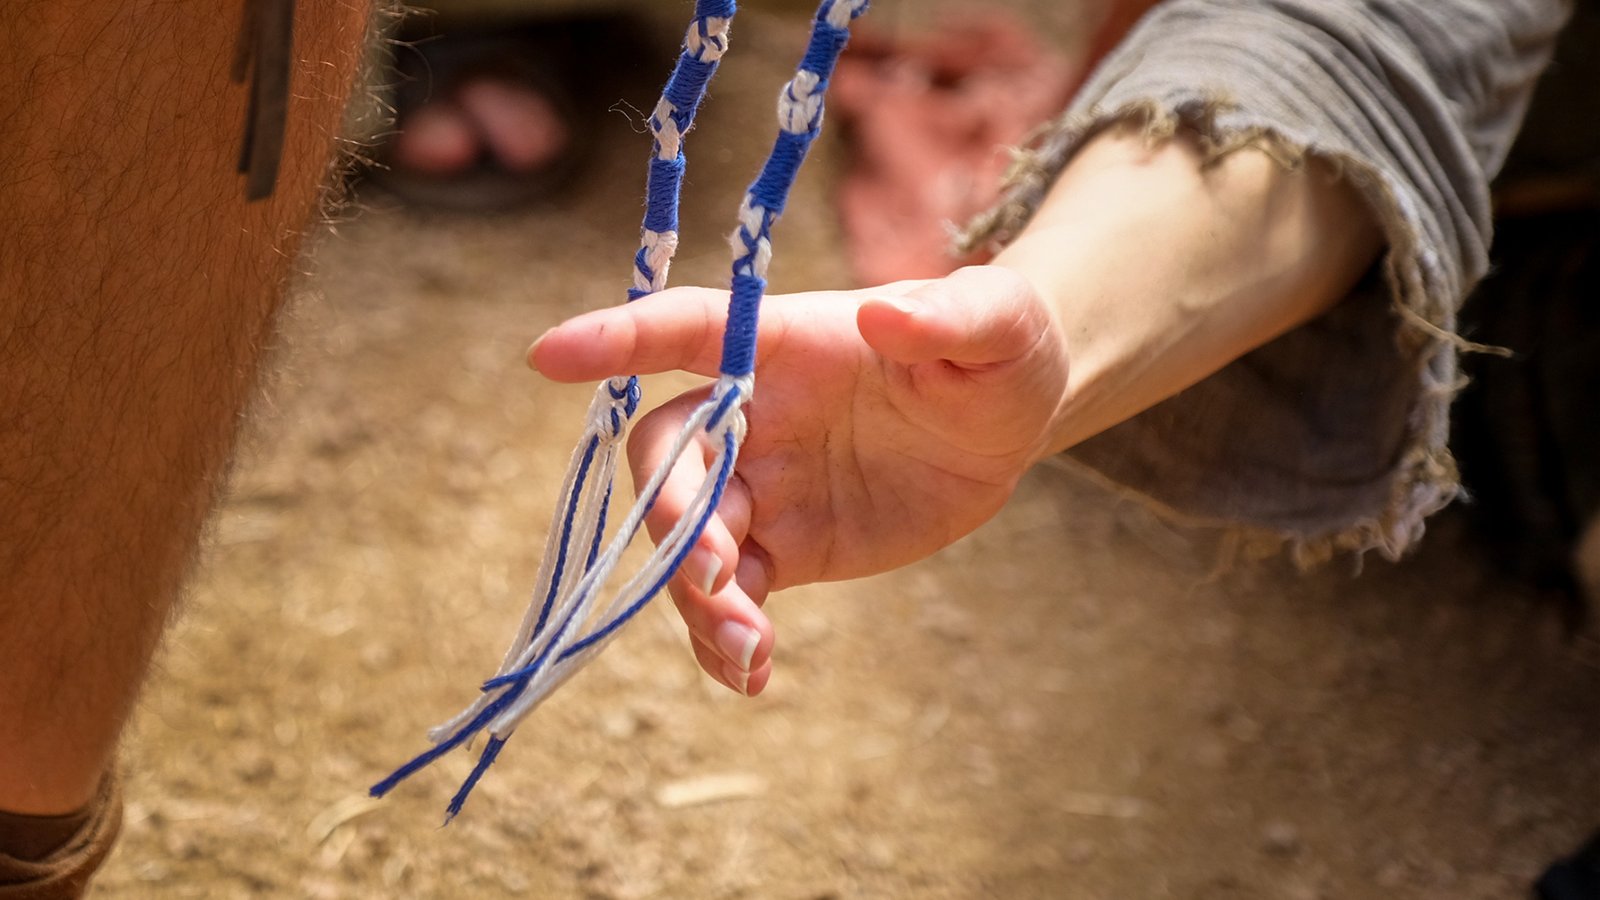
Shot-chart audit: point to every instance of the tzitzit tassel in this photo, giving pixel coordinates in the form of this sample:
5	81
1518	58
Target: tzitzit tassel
565	625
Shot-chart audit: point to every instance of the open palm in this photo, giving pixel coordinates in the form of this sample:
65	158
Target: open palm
886	423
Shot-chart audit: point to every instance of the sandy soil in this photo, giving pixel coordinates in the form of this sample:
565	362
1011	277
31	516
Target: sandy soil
1064	705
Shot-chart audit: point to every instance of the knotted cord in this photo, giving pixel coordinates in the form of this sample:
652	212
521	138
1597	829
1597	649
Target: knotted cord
551	644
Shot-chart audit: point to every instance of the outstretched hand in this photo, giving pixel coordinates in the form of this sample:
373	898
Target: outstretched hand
887	422
890	421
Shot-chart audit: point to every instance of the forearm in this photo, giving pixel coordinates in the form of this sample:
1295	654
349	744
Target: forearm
1416	101
1335	435
1163	269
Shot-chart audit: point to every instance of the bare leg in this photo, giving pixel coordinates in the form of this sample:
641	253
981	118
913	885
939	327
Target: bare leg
136	290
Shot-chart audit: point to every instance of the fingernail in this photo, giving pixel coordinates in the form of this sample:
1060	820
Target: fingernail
739	679
737	642
904	306
702	567
534	347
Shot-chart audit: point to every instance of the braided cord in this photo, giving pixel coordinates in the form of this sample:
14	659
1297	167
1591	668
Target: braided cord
586	487
703	46
550	645
799	123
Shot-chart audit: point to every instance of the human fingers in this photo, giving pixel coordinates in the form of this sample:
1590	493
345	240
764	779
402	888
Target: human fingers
729	623
522	126
436	139
754	574
718	556
674	329
976	318
705	591
711	562
747	683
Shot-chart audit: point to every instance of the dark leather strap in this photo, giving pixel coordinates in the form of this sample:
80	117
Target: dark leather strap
265	52
65	873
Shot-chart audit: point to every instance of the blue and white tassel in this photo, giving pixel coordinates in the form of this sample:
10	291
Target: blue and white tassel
552	643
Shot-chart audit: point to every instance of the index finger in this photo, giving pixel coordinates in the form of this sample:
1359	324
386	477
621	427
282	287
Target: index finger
679	328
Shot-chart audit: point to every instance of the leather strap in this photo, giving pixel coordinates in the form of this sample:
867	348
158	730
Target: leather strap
265	53
64	874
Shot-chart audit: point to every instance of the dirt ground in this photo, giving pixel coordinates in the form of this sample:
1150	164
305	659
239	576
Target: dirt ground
1064	705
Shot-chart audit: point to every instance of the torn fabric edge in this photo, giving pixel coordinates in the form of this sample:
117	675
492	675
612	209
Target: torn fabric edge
1424	294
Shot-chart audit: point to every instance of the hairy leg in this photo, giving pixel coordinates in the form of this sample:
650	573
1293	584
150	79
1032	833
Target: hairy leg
137	288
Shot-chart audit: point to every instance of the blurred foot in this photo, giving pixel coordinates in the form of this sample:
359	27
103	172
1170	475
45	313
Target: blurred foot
486	120
930	119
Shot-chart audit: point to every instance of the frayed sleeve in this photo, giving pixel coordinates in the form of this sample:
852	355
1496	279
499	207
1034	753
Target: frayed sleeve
1334	436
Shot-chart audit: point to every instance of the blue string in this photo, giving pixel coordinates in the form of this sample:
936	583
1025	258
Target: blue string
699	528
661	193
573	501
770	191
687	86
739	339
827	42
685	91
524	675
724	473
723	405
491	751
425	758
599	531
515	682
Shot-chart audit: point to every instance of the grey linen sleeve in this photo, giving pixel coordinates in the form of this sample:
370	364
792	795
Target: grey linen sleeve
1335	436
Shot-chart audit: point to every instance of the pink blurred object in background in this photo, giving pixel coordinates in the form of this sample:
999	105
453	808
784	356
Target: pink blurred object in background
931	118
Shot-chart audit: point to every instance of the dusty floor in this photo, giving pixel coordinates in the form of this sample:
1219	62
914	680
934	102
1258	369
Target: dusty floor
1061	706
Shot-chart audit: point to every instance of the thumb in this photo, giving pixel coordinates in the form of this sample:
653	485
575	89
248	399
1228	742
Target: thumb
976	317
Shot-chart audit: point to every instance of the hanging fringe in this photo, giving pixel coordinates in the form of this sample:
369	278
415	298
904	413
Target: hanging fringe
565	625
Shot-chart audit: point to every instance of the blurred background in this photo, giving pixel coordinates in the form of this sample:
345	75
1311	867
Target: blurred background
1073	702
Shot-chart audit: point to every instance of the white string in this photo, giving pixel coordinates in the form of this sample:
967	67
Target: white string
577	598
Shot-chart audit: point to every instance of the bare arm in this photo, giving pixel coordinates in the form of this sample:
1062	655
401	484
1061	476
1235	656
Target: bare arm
891	421
1162	269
